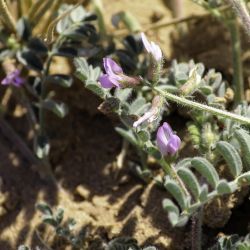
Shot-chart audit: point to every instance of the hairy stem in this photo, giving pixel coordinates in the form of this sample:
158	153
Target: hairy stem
42	97
172	172
6	16
195	105
197	229
236	59
240	9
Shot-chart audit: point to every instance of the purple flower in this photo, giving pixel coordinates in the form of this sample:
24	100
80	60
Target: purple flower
152	48
167	141
13	78
114	76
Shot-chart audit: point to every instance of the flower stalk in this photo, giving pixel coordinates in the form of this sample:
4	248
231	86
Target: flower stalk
168	169
195	105
236	60
42	97
197	229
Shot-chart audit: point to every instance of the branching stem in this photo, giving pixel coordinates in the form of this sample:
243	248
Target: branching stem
195	105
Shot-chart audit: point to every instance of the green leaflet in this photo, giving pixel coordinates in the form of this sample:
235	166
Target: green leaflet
127	134
185	163
59	109
231	156
173	211
123	94
144	135
190	181
224	187
136	105
244	178
206	169
243	138
98	90
203	193
177	193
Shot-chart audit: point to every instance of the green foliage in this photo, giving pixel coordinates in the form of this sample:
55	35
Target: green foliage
63	230
89	76
231	157
232	242
225	152
190	181
126	243
23	247
128	135
206	169
59	109
244	140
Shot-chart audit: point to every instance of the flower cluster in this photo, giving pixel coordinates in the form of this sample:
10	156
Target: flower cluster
167	142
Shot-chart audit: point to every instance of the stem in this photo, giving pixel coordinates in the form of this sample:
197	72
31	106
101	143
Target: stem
121	157
167	23
172	172
98	7
19	8
42	241
197	229
143	158
52	25
191	104
42	97
177	7
6	16
241	10
237	63
42	132
16	140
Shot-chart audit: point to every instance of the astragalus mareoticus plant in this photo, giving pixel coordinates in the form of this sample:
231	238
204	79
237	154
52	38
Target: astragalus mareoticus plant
143	103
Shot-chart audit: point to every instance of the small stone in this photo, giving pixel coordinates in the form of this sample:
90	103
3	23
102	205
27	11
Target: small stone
83	192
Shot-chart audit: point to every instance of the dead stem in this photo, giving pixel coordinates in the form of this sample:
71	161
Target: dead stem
6	16
167	23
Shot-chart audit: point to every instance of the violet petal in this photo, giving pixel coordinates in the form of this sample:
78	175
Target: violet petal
174	144
162	141
167	129
105	81
111	67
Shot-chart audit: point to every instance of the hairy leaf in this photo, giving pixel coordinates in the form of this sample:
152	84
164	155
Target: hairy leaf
173	211
190	181
177	193
243	138
244	178
59	109
206	169
231	157
127	134
224	187
203	193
